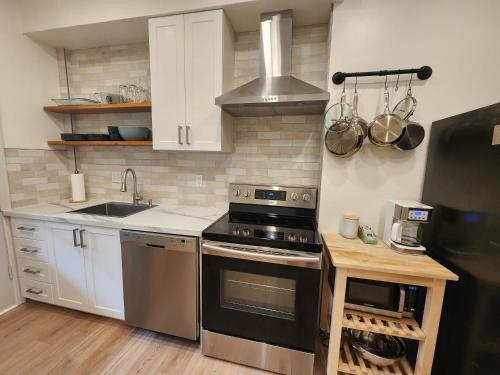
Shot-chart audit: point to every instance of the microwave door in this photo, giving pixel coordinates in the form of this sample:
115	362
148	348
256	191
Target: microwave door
375	297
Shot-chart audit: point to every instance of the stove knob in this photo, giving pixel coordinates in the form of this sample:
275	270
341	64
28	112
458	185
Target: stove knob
302	238
306	197
294	196
246	194
236	231
291	237
246	232
236	193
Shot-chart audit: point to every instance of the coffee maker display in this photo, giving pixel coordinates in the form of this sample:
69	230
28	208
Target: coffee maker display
403	225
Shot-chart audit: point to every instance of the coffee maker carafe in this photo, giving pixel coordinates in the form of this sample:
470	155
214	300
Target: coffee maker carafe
403	225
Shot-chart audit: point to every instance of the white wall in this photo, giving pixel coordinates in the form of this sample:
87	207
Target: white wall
29	78
459	39
7	297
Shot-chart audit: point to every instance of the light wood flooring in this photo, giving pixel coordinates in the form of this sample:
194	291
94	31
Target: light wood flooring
36	338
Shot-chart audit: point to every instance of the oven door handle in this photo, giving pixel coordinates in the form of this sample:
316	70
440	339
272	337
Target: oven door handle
270	257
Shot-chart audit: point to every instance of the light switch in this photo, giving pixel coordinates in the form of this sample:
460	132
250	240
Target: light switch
116	177
199	180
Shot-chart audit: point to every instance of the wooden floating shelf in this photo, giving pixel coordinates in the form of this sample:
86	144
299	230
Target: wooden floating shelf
100	108
404	327
100	143
351	362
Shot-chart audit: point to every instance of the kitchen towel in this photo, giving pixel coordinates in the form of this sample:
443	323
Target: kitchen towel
78	188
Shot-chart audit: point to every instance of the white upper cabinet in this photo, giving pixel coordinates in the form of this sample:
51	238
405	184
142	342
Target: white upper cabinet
192	61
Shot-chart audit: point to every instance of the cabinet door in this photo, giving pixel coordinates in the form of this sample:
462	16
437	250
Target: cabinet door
166	47
70	289
204	44
103	261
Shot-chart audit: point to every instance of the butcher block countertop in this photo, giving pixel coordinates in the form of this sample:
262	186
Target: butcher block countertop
354	254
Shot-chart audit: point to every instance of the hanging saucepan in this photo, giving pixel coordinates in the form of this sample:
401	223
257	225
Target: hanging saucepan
338	112
387	128
413	135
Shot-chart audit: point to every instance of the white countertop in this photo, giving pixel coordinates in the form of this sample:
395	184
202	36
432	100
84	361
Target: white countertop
173	219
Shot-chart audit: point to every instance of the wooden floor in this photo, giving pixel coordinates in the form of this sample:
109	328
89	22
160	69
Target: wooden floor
36	338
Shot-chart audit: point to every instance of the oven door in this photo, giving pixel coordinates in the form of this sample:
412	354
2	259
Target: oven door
261	294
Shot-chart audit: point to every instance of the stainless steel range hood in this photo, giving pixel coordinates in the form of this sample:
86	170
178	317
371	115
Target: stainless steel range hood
275	92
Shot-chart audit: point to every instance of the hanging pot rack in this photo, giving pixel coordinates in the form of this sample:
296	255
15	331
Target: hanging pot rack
422	73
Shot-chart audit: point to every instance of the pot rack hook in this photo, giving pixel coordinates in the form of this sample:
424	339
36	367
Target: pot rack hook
385	83
409	85
397	84
356	85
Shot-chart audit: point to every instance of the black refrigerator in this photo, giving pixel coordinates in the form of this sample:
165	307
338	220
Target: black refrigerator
462	183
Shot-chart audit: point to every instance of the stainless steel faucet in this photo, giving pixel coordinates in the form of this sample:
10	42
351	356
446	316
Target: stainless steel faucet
136	197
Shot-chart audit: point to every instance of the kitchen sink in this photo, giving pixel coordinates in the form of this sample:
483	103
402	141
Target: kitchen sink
114	209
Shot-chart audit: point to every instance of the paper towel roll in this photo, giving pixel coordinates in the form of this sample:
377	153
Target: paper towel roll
78	187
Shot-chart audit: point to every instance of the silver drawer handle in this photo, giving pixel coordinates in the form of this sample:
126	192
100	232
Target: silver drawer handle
188	129
31	271
179	134
34	291
28	229
26	250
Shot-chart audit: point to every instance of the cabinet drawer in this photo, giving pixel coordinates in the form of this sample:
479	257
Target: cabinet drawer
30	229
33	249
36	290
34	270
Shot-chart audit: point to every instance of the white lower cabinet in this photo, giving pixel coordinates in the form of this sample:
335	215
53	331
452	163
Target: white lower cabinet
68	259
87	268
103	267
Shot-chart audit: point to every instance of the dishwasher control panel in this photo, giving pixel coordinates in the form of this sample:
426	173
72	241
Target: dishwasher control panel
159	241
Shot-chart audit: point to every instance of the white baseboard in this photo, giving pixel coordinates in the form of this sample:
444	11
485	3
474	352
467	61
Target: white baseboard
8	309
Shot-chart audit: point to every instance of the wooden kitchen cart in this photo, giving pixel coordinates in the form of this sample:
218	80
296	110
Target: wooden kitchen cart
353	258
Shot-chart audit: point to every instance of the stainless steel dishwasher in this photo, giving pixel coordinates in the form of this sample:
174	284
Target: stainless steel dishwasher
160	282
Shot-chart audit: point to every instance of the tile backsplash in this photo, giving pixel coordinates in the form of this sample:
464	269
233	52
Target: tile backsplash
283	149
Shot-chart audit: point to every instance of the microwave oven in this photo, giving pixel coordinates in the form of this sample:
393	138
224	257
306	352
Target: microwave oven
383	298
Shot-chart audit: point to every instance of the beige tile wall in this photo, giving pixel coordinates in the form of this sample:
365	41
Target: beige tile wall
37	176
284	150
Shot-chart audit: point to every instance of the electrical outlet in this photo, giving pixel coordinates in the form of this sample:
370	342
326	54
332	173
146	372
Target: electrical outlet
199	180
116	177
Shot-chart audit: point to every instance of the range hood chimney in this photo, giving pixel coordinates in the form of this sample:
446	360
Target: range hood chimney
275	92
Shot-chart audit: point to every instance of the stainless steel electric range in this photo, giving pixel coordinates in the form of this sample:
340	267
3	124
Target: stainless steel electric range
261	266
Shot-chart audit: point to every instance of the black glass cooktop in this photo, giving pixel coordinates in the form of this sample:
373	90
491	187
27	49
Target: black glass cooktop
266	229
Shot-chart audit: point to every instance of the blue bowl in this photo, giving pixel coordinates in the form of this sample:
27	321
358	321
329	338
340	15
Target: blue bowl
134	133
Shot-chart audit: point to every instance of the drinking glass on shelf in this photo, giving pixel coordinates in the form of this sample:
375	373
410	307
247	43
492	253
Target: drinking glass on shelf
123	92
133	93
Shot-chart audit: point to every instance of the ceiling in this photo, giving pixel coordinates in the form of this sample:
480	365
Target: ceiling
244	16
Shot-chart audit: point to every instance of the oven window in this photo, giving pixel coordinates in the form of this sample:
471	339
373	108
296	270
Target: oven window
259	294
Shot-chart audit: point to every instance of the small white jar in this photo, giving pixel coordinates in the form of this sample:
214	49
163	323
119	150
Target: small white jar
349	225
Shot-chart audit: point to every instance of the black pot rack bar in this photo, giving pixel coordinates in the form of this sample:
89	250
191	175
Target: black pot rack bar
422	73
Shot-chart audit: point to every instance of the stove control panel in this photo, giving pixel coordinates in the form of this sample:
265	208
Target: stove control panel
271	195
285	234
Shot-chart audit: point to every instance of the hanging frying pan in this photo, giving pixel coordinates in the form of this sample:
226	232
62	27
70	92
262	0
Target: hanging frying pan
387	128
344	140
